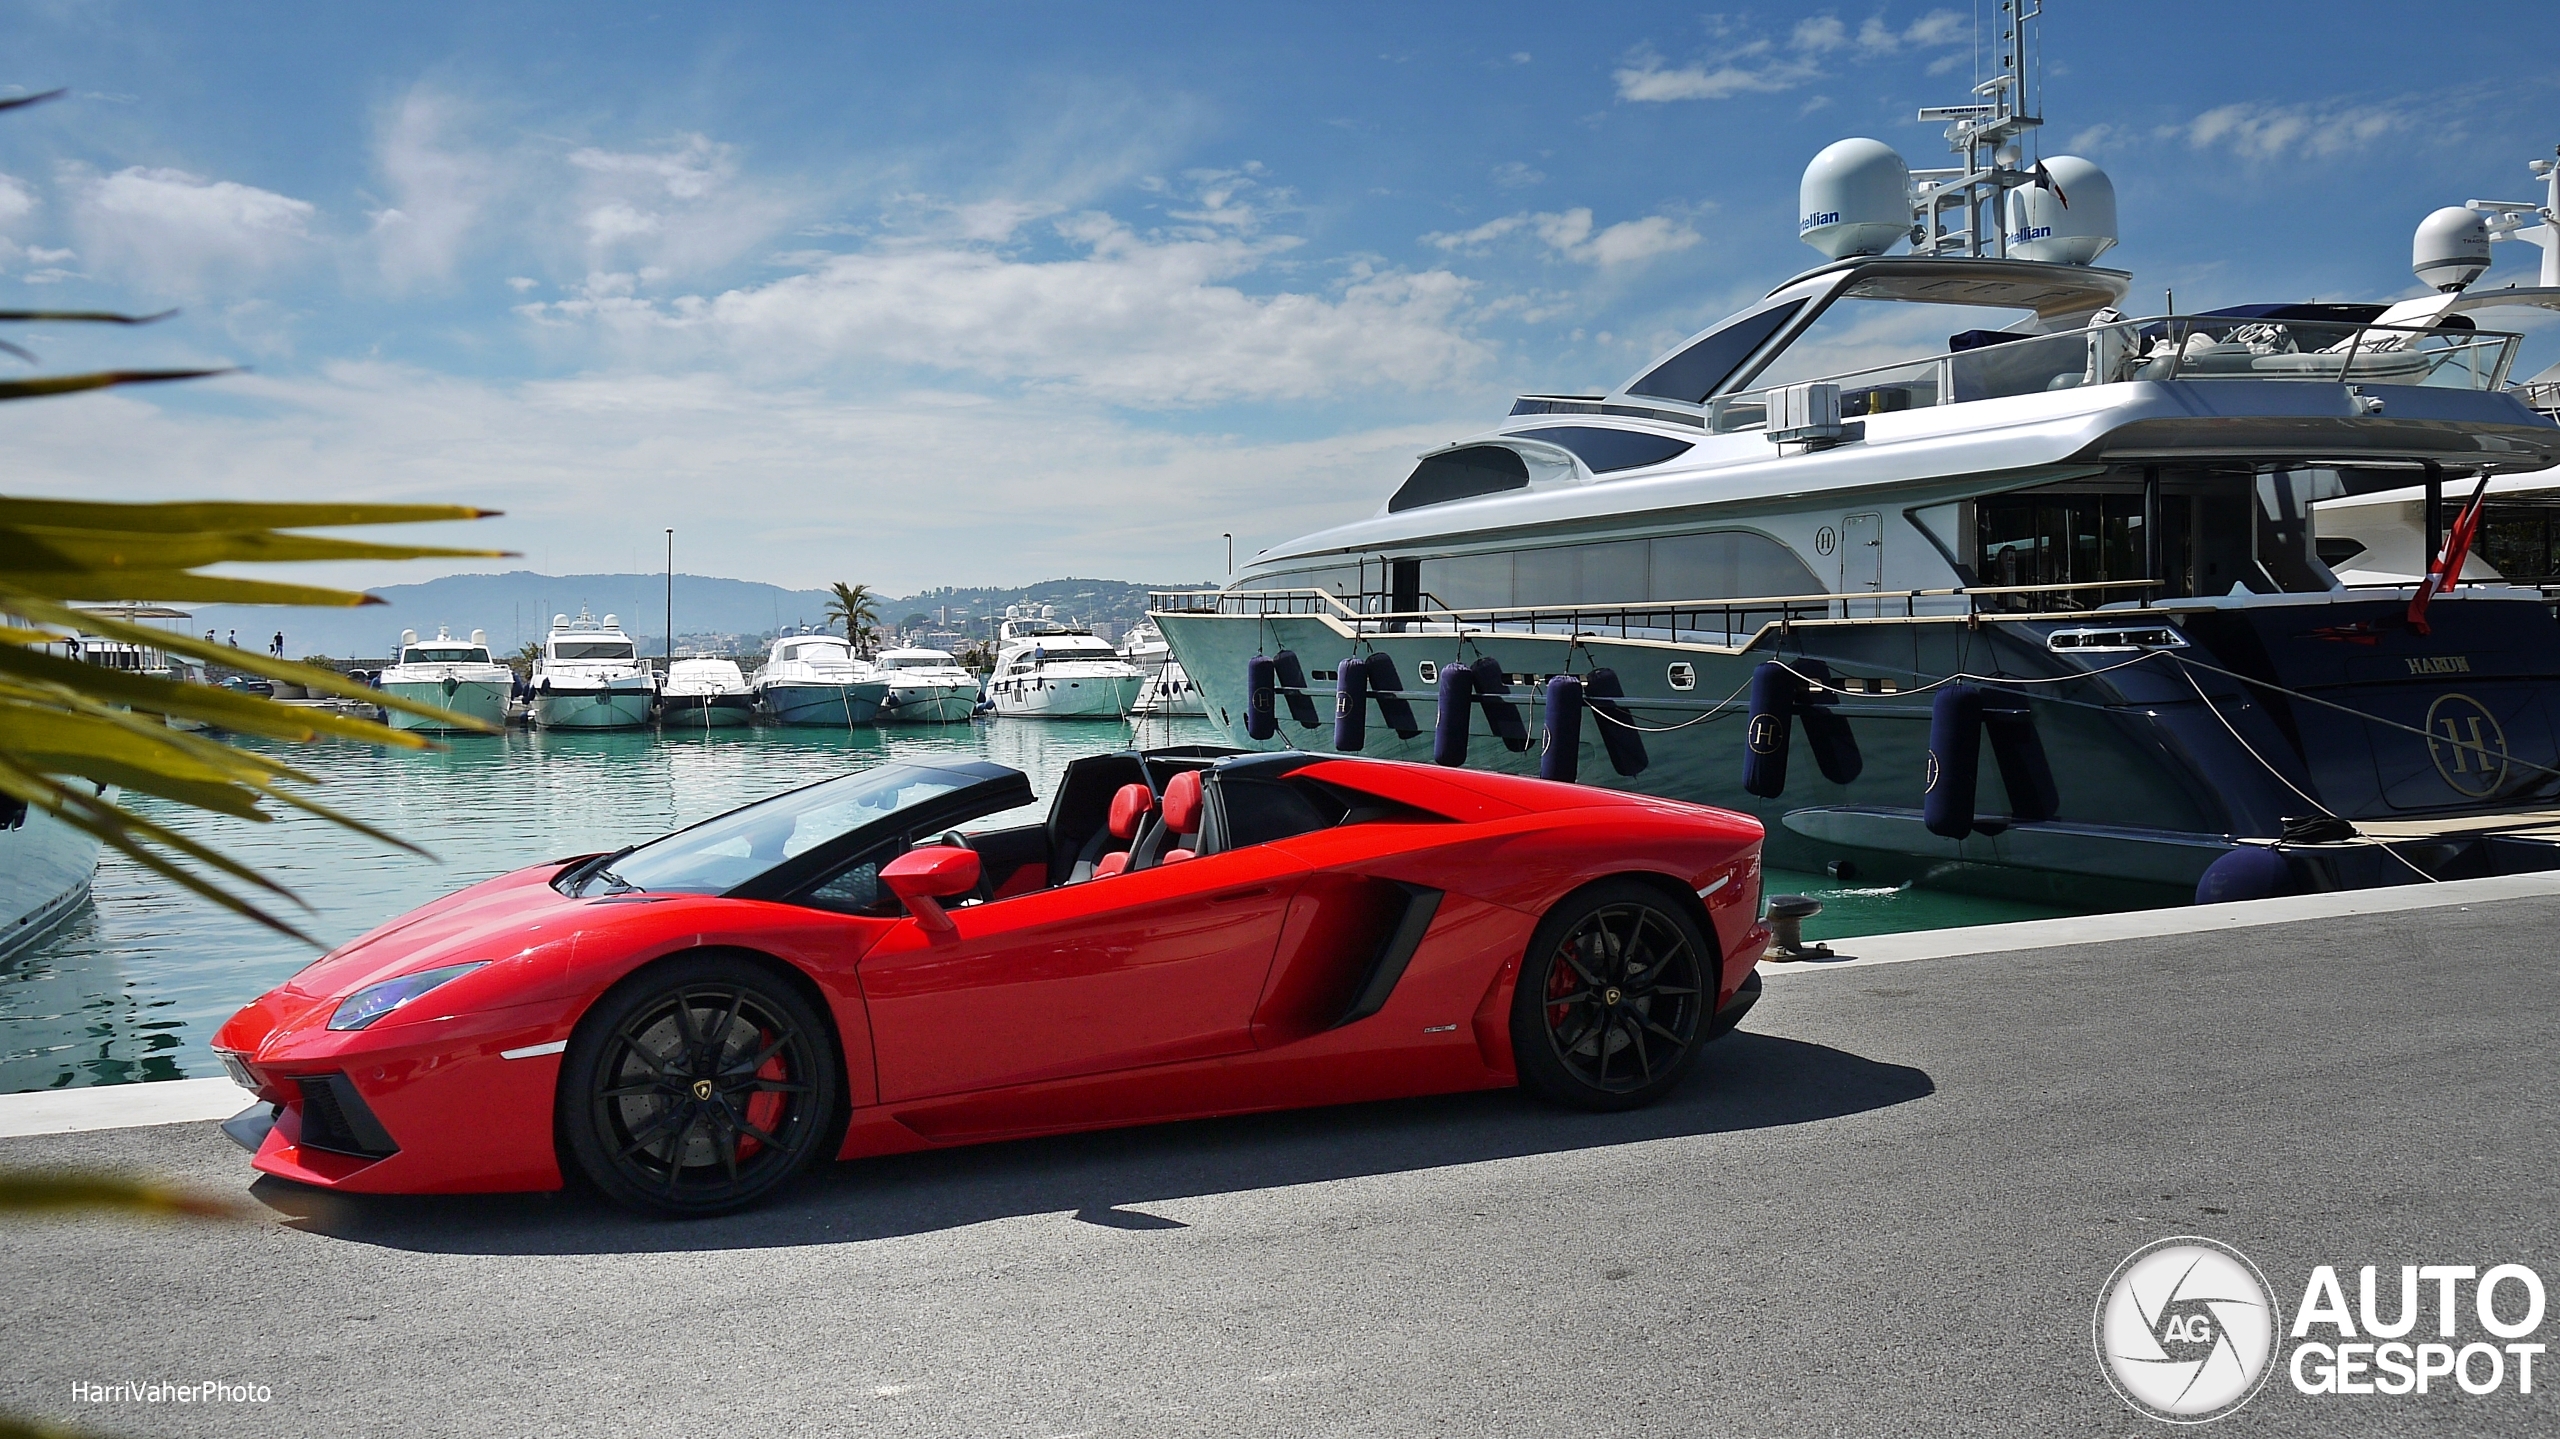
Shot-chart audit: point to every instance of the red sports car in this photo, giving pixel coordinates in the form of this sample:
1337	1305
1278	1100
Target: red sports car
840	969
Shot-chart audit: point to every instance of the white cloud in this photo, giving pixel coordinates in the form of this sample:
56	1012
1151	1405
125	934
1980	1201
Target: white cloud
439	188
680	209
17	200
1570	233
2260	132
1140	320
1759	66
168	230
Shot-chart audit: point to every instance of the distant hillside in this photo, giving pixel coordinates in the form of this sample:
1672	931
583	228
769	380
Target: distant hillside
516	608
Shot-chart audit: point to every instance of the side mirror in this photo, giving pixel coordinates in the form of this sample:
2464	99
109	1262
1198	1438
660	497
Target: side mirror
920	877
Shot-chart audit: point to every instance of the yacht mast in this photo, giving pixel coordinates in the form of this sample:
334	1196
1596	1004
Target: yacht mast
1986	135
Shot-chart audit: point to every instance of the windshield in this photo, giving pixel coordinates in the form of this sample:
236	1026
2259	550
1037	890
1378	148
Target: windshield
591	649
721	854
446	657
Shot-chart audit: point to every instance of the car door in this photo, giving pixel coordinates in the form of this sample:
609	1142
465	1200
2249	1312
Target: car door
1153	967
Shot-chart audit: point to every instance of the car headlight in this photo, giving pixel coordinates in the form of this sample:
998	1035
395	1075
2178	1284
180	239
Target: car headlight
376	1000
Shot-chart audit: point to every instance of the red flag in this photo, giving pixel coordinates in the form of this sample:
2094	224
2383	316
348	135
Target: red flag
2445	572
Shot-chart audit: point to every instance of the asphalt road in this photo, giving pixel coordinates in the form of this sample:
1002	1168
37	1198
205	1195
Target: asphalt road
1885	1208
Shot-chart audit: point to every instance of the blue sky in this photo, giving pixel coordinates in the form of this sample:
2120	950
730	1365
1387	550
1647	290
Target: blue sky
988	293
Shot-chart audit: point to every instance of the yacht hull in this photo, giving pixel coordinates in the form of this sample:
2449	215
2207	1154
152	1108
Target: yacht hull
484	700
928	704
2162	764
832	706
1059	696
45	871
706	711
1170	694
578	708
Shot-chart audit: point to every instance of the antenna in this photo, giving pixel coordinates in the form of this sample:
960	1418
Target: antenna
1986	136
2522	220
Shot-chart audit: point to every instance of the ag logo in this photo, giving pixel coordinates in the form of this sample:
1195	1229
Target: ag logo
2186	1330
1764	734
2469	748
1825	540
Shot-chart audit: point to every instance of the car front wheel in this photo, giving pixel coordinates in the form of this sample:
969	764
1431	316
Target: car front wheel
697	1087
1614	996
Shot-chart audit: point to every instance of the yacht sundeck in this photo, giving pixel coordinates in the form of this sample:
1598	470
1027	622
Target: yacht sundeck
815	679
589	677
2079	538
1046	670
453	674
925	687
705	692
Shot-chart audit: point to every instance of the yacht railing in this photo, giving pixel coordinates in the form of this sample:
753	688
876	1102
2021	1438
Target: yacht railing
2171	347
1679	620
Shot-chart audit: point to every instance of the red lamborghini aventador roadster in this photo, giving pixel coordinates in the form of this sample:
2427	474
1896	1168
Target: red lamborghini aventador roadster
842	969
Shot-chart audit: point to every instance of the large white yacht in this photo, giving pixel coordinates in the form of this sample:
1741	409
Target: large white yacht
453	674
1047	670
2078	538
925	687
705	692
816	679
589	677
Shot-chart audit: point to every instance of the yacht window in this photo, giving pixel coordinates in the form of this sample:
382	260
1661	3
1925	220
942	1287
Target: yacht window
1607	450
1724	565
591	649
2218	532
1343	580
2518	538
1699	370
1854	334
462	656
1460	474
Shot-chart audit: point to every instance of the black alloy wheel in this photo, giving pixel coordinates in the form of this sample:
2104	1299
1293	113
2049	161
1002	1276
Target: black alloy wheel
1613	995
698	1087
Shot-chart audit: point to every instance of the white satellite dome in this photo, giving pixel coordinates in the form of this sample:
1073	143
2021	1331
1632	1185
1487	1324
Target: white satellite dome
2451	248
2067	216
1855	200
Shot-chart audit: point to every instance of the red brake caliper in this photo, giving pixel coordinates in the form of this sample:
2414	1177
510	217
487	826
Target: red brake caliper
764	1107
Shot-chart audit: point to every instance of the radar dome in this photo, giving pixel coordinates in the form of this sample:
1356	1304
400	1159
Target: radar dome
1856	199
2451	248
2066	215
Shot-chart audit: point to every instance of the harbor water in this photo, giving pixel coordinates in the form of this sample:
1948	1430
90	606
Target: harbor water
134	988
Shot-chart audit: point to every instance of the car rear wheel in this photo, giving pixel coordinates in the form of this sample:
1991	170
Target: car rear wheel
698	1087
1613	998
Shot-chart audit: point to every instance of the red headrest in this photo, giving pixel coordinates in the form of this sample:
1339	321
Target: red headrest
1182	803
1133	803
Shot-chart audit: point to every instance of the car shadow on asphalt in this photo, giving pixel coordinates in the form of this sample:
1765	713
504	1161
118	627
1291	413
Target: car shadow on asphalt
1746	1082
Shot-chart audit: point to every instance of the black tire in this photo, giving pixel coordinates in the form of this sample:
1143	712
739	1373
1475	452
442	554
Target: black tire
1614	998
697	1087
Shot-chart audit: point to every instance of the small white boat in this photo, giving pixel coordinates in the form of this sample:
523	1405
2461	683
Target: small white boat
1169	693
1045	670
815	679
925	687
589	677
452	674
705	692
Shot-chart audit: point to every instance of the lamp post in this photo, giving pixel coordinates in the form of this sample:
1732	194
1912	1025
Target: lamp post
671	601
1231	557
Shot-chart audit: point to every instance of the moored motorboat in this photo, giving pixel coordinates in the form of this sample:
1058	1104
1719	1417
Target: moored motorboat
705	692
1046	670
925	687
589	677
816	679
451	674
